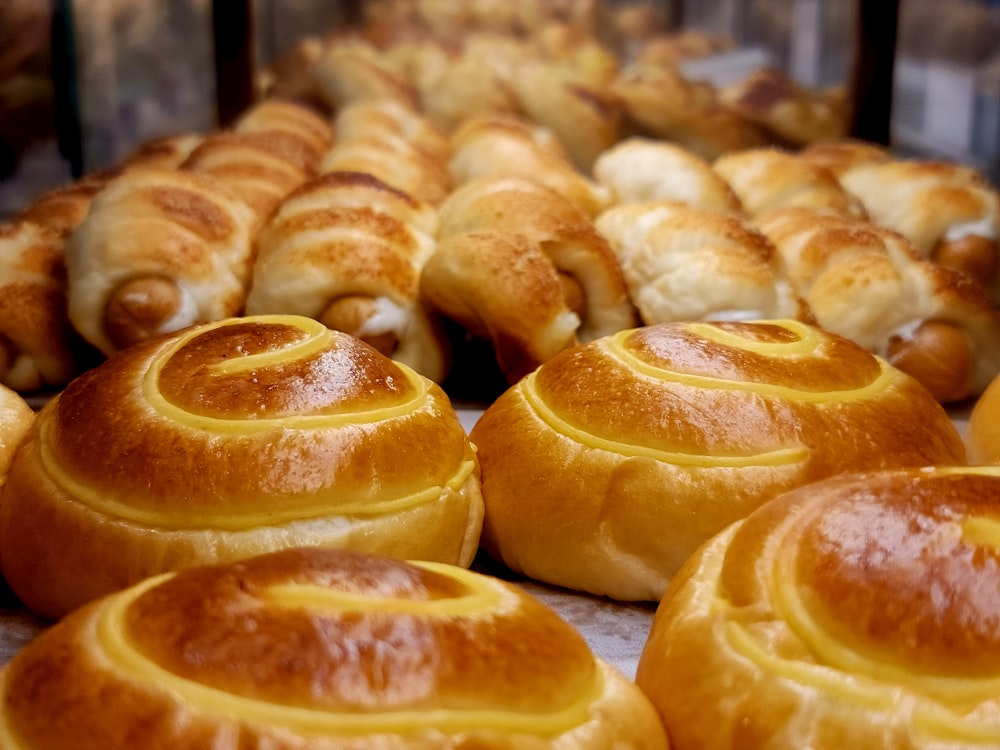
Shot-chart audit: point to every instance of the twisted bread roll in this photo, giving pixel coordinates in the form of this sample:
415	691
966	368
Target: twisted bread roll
948	211
610	464
521	266
660	102
38	348
793	114
320	649
230	439
297	132
840	156
641	169
983	435
868	284
683	264
855	612
766	179
63	208
16	418
159	250
252	166
393	143
167	152
351	70
348	250
499	146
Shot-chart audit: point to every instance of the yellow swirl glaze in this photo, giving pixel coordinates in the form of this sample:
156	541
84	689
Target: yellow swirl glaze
132	664
802	347
319	338
227	521
780	457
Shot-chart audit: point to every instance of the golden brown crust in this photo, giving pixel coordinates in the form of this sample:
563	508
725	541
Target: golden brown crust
503	146
767	179
614	461
62	209
685	264
983	432
841	155
37	343
296	131
230	439
352	70
166	152
793	114
854	612
660	102
869	284
643	169
935	204
182	226
350	235
323	649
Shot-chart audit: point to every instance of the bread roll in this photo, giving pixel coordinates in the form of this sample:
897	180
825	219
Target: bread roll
680	263
661	103
609	465
868	284
348	250
795	115
38	348
394	143
296	131
520	265
63	208
983	434
858	612
159	250
351	70
766	179
165	152
503	146
842	155
949	212
311	649
642	169
16	418
252	166
230	439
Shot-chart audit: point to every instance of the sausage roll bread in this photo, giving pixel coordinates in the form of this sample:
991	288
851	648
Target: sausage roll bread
229	439
394	143
868	284
38	347
983	432
16	418
63	208
348	250
681	263
606	467
505	146
519	265
296	131
766	179
351	69
859	611
158	251
659	102
640	169
949	212
318	649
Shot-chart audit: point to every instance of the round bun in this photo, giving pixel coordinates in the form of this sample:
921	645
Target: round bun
856	612
230	439
983	435
324	649
610	464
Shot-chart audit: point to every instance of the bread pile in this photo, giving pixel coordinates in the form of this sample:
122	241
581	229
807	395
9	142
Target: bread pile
695	300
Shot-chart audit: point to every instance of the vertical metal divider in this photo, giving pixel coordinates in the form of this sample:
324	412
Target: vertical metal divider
871	84
234	58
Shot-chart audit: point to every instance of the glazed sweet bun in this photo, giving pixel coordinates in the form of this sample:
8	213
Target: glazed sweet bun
983	432
857	612
227	440
606	467
320	649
